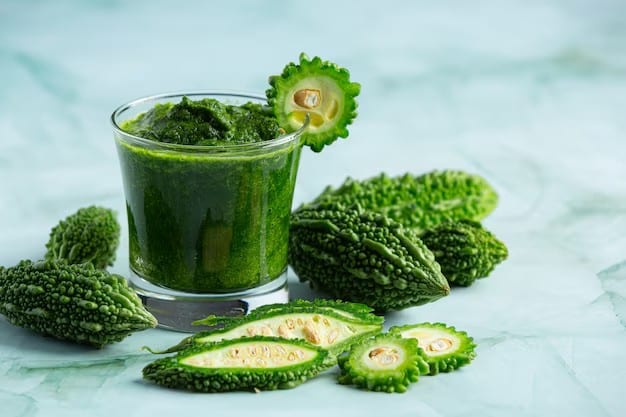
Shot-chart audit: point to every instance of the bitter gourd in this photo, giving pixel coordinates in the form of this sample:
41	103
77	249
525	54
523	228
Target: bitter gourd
320	89
327	326
91	234
419	202
354	311
385	363
78	303
363	257
443	347
245	364
465	250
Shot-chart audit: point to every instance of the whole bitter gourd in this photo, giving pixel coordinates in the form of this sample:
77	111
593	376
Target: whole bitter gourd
323	324
465	250
245	364
418	202
78	303
443	347
364	257
320	89
385	363
92	234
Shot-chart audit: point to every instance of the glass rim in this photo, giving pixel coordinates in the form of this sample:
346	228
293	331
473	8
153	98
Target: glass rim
282	139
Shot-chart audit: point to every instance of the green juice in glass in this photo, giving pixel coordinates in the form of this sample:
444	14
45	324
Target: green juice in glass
208	191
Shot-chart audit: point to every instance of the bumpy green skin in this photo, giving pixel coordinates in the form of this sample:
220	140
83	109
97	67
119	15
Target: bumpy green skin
92	235
356	311
419	202
395	378
465	250
461	356
372	324
311	73
363	257
78	303
171	373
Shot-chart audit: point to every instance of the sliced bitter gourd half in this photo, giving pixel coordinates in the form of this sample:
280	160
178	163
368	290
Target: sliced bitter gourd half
385	363
354	311
444	348
317	324
246	364
320	89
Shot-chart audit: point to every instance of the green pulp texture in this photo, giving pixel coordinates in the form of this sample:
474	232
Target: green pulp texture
78	303
205	122
207	221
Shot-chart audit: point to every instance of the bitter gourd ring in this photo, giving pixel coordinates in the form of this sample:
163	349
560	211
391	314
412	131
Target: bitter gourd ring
320	89
444	348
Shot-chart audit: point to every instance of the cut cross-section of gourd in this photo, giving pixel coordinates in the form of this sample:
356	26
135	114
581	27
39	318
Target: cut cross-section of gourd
331	325
444	348
385	363
320	89
245	364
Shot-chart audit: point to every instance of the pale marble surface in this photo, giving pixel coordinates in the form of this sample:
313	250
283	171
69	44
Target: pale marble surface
529	94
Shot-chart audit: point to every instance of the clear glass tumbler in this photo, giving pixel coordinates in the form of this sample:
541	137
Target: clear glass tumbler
208	225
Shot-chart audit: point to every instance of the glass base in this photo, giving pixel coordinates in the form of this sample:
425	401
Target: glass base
176	310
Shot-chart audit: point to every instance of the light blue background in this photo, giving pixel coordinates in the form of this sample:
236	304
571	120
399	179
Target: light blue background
529	94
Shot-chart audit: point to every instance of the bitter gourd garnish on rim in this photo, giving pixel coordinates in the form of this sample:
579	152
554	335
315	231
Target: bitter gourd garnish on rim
444	348
320	89
245	364
385	363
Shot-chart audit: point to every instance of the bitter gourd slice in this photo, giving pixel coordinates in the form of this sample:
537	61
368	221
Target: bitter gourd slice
465	250
320	89
443	347
385	363
418	202
245	364
363	257
355	311
320	326
78	303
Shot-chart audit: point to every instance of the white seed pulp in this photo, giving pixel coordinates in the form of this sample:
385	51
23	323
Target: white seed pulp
251	355
314	328
434	342
383	357
320	97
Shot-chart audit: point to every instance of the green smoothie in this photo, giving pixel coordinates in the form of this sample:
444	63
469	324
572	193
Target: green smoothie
208	190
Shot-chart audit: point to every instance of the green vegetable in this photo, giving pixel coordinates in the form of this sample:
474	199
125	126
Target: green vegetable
331	325
359	256
465	250
385	363
205	122
92	234
245	364
320	89
78	303
353	311
444	348
419	202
